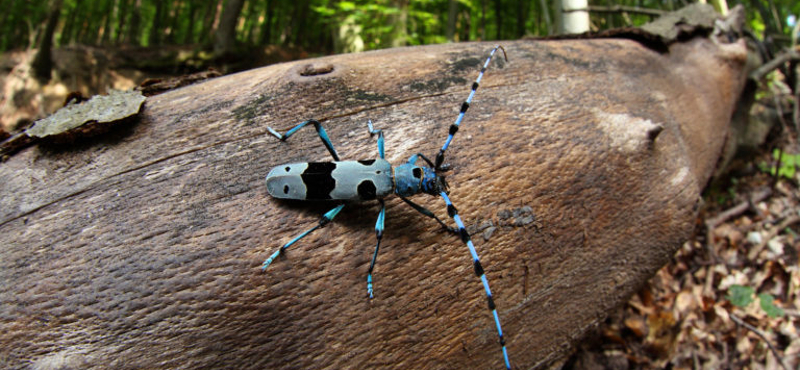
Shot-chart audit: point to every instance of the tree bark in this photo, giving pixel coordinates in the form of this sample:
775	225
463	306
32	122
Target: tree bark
578	169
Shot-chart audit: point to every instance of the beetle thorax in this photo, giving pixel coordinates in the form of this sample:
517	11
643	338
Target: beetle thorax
410	179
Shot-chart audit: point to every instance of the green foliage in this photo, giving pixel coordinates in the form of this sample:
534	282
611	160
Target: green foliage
741	296
767	302
313	25
378	21
787	164
722	192
756	23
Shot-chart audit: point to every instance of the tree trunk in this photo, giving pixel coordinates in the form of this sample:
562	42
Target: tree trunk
157	29
43	61
498	18
266	27
4	24
225	37
108	22
67	34
299	24
545	11
483	20
253	16
122	17
134	30
98	13
176	16
578	170
188	37
84	15
452	15
400	23
466	25
522	17
209	20
574	22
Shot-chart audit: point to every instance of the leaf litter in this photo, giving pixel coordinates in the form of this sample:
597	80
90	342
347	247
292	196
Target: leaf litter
727	300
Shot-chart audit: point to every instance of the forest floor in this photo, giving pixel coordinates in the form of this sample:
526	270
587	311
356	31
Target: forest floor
91	71
729	297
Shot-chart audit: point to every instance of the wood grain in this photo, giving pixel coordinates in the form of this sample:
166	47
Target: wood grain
141	249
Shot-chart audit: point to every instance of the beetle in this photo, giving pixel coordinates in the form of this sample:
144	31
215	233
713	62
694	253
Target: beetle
375	179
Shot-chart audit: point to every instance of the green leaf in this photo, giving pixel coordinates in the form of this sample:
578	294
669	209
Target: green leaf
740	295
347	6
767	302
786	171
790	160
324	11
788	164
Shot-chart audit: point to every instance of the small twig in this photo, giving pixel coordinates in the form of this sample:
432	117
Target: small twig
796	103
779	107
708	287
772	233
776	175
739	208
755	330
783	57
796	106
726	355
726	215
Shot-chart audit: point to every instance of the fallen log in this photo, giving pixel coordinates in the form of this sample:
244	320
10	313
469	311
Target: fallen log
578	170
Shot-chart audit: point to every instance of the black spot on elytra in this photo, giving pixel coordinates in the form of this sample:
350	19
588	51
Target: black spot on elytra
318	180
367	190
367	162
286	189
417	172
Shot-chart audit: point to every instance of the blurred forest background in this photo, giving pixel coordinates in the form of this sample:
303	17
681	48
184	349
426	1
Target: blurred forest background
728	299
330	26
90	46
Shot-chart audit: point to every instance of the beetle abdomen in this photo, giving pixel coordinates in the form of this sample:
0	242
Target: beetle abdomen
345	180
